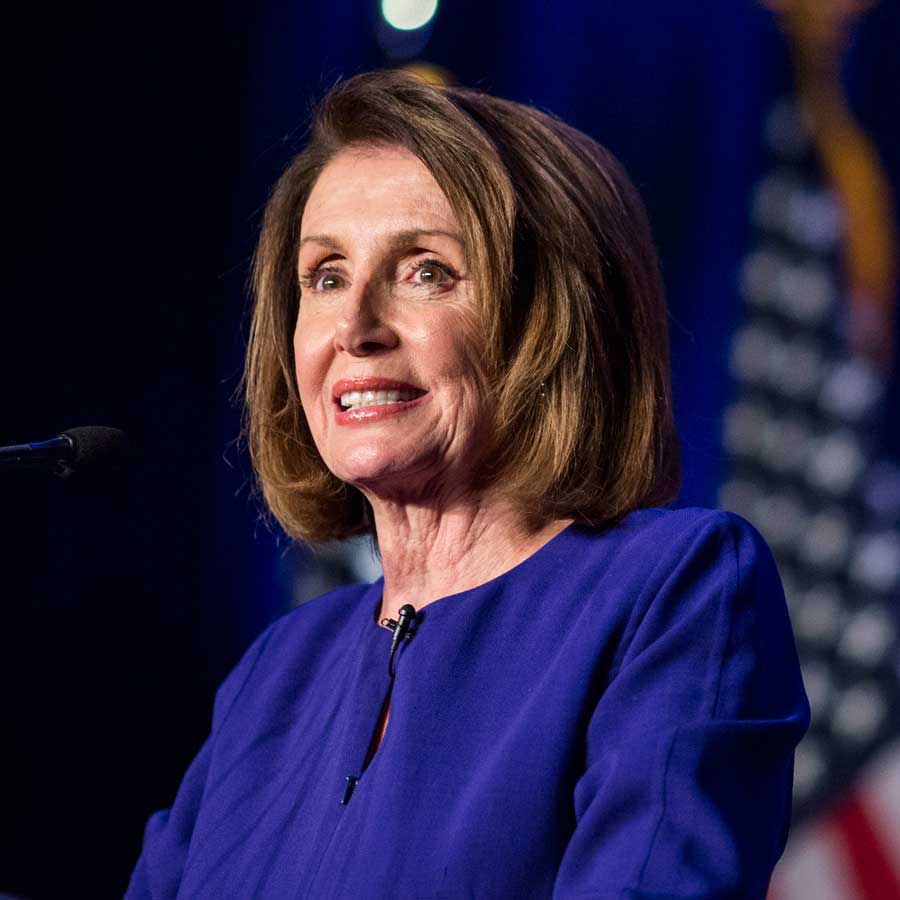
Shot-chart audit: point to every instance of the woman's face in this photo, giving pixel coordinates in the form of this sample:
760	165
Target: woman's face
383	350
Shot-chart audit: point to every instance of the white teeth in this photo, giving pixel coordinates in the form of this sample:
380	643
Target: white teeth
361	399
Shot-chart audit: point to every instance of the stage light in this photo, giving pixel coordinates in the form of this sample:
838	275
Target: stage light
407	15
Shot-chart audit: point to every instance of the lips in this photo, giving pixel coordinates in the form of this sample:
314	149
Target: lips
373	398
363	384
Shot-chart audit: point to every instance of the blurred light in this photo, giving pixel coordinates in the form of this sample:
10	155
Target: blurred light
407	15
400	45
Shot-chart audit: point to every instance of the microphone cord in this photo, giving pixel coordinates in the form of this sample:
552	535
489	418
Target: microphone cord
403	630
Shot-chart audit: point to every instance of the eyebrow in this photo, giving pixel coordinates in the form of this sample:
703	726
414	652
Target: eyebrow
398	241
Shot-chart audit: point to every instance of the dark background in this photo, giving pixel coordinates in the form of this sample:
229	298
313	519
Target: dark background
140	144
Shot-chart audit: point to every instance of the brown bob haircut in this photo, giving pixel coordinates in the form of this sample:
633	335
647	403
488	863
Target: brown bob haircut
573	319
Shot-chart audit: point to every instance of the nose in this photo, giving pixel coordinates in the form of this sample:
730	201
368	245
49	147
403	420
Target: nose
361	327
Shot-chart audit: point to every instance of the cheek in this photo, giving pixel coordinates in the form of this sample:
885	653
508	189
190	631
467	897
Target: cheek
308	366
459	355
457	361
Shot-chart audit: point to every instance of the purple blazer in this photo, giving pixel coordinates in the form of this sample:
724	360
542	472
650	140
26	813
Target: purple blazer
614	718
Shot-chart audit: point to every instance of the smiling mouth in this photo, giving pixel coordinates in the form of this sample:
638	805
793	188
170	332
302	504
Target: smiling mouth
365	399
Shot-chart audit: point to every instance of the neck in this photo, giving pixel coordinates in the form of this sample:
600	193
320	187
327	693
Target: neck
429	552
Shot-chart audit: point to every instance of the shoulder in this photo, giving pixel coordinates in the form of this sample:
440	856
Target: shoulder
678	528
652	550
703	574
710	537
688	542
294	642
710	594
329	612
696	556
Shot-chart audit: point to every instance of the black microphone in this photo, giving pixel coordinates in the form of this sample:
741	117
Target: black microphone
88	448
406	617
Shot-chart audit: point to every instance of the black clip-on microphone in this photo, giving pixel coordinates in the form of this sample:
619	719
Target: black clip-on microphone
403	628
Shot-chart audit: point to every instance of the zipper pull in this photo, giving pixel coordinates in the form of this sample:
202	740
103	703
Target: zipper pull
348	791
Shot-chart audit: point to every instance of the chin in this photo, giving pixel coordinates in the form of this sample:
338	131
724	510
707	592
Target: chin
387	470
369	463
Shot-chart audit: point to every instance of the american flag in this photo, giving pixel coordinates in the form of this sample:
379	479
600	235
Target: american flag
801	437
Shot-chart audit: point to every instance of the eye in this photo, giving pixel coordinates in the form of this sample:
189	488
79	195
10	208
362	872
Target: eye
430	272
322	280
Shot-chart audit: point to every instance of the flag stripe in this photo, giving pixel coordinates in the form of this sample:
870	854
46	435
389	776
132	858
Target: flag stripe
874	874
879	791
814	868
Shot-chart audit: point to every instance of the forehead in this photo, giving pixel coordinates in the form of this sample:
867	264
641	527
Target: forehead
376	185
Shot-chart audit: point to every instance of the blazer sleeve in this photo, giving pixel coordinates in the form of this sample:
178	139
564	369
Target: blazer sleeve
167	835
686	794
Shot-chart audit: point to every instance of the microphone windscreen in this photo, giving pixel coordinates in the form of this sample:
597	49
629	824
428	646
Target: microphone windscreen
96	447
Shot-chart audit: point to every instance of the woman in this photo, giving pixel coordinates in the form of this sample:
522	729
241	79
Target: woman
459	346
